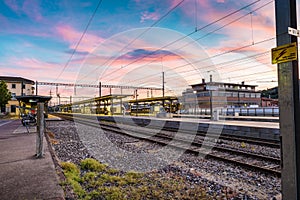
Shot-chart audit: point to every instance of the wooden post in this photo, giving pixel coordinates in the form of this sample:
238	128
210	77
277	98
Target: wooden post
289	109
40	130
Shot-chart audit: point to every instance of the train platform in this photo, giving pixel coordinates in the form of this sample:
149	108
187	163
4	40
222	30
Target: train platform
246	128
22	175
230	117
246	121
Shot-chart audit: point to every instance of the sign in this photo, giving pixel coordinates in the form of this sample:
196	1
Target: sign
293	32
284	53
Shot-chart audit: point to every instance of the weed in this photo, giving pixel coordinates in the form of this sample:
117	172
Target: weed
72	174
92	165
97	181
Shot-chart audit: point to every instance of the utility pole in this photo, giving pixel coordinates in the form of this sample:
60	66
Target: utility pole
163	84
136	96
288	90
22	94
210	98
100	89
36	88
163	89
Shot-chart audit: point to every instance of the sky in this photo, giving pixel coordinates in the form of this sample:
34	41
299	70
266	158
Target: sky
131	42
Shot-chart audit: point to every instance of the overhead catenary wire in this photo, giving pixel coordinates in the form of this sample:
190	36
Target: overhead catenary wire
132	41
235	20
226	72
232	63
214	56
227	25
80	39
179	39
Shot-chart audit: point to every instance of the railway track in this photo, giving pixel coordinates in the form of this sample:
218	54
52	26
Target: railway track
265	164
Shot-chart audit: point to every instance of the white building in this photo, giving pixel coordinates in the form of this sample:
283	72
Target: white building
18	86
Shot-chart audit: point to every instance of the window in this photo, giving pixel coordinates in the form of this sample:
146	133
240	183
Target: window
13	108
23	86
13	95
13	86
234	94
228	94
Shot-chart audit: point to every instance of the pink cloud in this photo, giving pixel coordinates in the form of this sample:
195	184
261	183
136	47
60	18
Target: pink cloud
3	21
13	5
35	69
72	36
263	19
149	16
239	33
29	7
32	9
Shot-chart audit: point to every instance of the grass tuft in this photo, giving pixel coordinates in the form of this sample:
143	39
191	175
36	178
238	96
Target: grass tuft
92	165
97	181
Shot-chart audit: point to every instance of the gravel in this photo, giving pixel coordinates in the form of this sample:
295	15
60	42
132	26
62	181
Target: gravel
73	142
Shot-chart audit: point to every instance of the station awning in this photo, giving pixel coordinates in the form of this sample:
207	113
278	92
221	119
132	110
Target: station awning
33	98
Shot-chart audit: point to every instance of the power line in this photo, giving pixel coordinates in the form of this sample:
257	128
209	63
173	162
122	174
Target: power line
80	39
232	63
220	54
131	42
235	20
220	19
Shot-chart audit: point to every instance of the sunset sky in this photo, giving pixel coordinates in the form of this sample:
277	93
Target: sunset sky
130	42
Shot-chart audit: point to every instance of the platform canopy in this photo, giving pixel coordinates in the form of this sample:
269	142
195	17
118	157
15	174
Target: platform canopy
153	99
33	98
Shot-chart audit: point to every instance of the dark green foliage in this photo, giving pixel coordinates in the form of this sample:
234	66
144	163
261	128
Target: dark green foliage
270	93
5	95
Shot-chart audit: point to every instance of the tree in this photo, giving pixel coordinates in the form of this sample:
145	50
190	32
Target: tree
5	95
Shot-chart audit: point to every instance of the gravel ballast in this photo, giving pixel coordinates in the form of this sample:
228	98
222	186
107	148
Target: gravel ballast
74	142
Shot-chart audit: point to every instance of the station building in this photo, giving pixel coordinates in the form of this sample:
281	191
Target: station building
18	86
218	94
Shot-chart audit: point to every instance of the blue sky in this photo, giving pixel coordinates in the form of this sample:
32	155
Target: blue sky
38	38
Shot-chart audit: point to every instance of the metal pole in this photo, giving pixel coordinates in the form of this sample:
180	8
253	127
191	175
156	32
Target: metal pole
163	89
100	89
288	90
22	94
163	84
36	88
210	105
210	99
40	130
136	94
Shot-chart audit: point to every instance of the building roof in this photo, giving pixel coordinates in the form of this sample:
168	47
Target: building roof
169	98
16	79
221	83
33	98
